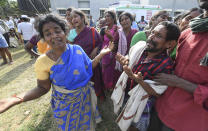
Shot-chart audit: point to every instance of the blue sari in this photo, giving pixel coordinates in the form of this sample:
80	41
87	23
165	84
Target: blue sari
73	98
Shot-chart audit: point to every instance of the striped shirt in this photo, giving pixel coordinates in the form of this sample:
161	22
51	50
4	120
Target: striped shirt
161	63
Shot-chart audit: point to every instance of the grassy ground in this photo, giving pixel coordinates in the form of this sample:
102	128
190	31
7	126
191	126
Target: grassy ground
35	115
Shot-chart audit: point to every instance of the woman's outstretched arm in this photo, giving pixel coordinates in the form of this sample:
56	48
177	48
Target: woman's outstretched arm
102	53
42	88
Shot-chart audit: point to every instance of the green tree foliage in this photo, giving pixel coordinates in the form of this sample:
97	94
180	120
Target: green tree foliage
9	8
3	2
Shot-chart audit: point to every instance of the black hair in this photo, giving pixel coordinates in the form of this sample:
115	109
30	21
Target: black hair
70	9
126	14
113	15
81	14
50	18
196	9
190	11
178	17
173	32
25	19
159	13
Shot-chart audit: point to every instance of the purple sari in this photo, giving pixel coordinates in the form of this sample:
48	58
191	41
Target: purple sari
109	61
85	40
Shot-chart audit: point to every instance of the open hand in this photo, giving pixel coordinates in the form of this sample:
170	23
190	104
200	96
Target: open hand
167	79
107	49
5	104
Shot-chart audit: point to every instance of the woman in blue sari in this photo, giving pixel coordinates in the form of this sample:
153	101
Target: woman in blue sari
67	69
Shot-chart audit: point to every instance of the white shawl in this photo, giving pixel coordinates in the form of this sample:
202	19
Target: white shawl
122	47
134	107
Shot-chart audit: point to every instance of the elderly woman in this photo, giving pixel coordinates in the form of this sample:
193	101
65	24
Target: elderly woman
67	69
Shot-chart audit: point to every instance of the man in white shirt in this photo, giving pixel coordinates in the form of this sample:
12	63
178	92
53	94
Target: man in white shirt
25	28
10	23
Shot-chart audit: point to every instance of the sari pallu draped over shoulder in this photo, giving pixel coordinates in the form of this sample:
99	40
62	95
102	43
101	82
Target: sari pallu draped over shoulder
122	47
134	107
73	97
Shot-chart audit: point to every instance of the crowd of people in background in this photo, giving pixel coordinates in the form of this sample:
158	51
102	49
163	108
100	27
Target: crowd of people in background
156	71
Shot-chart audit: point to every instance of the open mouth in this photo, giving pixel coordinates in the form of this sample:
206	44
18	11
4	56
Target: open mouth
56	40
151	44
75	22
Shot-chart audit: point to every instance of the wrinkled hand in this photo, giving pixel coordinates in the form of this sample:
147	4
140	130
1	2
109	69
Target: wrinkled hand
123	60
107	49
5	104
137	77
167	79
